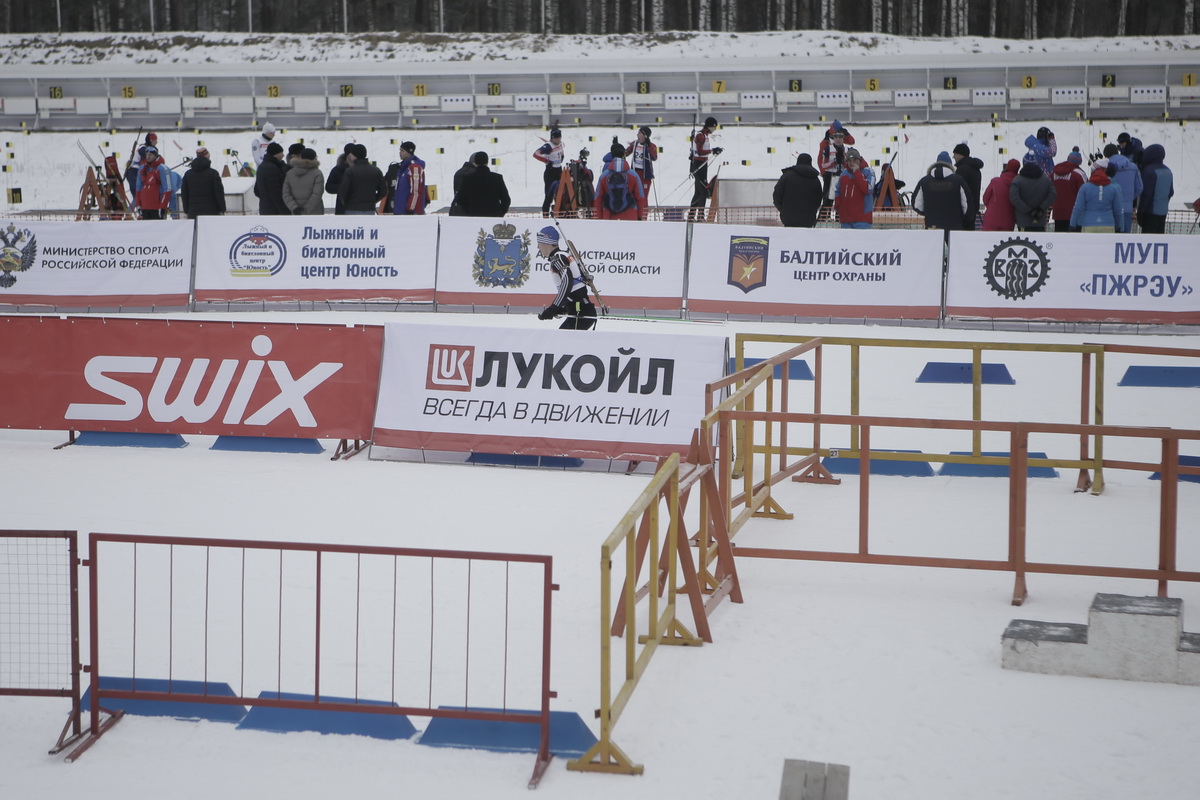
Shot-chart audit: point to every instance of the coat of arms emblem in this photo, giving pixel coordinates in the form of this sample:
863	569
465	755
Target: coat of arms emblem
501	257
18	249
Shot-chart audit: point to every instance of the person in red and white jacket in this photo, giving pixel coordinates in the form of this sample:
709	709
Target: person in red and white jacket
153	195
702	149
620	194
831	159
552	155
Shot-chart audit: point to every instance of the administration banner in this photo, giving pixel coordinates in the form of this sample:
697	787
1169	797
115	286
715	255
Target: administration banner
815	272
316	258
495	262
96	264
543	392
1074	277
168	376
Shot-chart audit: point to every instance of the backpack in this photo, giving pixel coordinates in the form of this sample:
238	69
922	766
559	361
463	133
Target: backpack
618	197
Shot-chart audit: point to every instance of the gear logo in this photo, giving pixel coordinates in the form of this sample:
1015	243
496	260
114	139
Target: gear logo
1017	268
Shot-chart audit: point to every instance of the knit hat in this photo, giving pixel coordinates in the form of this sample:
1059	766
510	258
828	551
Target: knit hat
962	149
1029	158
480	159
1100	163
645	129
268	128
555	133
151	136
295	149
1012	166
1123	137
308	154
408	147
349	148
202	152
273	148
852	153
359	150
151	150
618	150
804	158
710	122
548	235
1075	157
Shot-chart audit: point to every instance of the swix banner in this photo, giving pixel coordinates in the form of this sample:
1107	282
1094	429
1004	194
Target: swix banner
163	376
588	394
815	272
95	264
316	258
1076	277
495	262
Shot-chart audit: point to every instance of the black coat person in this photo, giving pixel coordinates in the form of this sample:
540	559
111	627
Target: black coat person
268	182
466	169
483	192
941	196
202	192
798	194
971	171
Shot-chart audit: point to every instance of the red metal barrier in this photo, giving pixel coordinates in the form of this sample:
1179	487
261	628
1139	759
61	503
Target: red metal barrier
276	617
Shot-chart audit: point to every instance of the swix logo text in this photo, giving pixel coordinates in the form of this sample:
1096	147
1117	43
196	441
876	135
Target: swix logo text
102	373
450	367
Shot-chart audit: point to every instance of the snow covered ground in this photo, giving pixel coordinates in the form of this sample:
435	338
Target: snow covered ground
49	169
893	671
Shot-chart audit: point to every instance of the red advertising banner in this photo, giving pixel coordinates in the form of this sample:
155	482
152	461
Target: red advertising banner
169	376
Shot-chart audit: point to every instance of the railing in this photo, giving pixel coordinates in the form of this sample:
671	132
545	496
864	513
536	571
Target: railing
357	615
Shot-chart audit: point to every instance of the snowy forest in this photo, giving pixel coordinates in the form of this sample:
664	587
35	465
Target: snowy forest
1009	19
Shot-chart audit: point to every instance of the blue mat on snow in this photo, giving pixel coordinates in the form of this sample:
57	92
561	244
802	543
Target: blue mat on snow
1161	376
267	444
798	369
287	720
516	460
993	470
124	439
905	469
169	708
948	372
569	736
1191	461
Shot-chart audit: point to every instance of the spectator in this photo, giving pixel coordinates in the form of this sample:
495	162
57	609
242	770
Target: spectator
202	192
1043	148
258	148
998	214
153	195
1032	194
1098	205
293	154
137	159
831	159
619	194
362	185
798	194
1131	148
304	184
1123	172
1158	187
268	182
941	196
855	196
411	192
584	182
483	192
971	171
1068	178
466	169
334	181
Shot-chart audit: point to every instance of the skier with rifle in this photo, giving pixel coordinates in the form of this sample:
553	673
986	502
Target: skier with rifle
571	299
700	153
